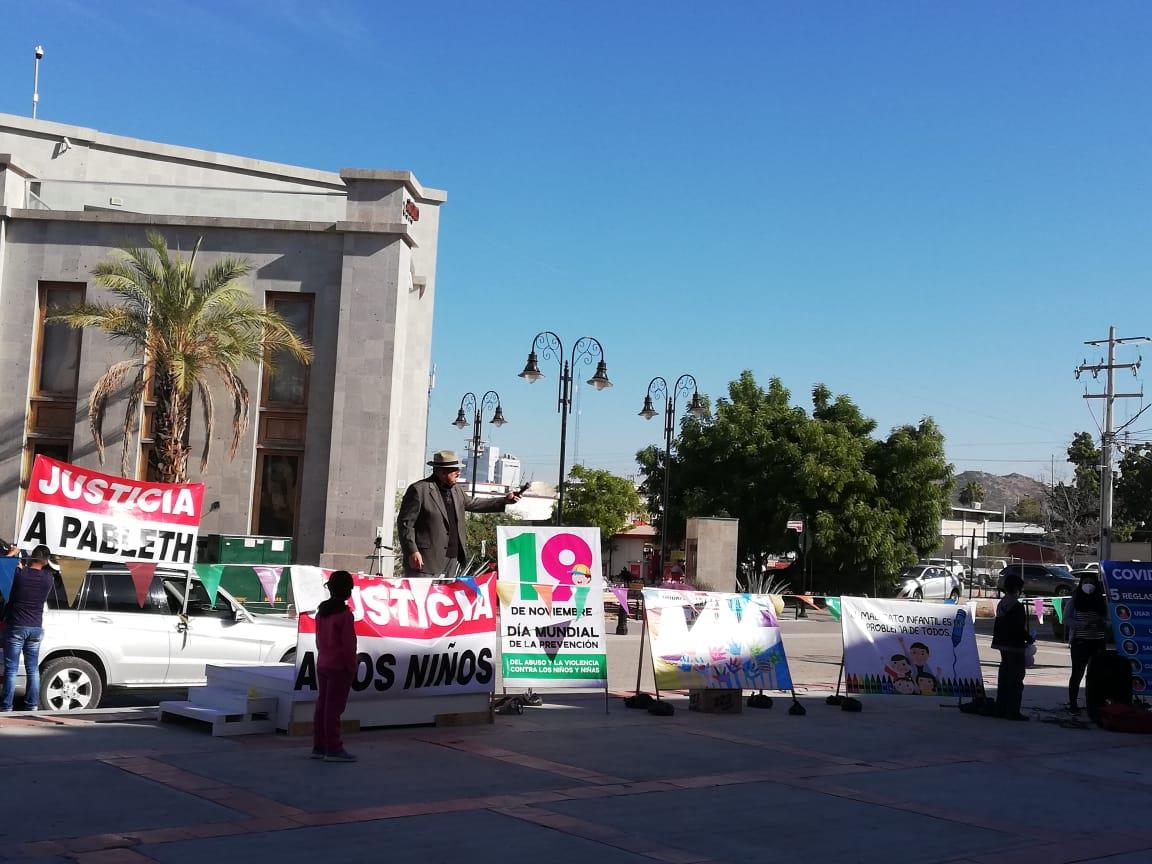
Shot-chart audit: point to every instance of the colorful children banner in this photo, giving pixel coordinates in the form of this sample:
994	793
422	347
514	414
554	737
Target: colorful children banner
551	607
707	639
84	514
1129	587
905	648
414	637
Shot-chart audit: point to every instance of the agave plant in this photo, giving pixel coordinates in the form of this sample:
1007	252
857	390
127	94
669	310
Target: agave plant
179	329
764	583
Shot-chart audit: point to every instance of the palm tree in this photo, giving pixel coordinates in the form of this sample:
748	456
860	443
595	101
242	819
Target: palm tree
971	493
178	328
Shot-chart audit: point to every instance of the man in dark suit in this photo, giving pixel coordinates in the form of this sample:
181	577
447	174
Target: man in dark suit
431	520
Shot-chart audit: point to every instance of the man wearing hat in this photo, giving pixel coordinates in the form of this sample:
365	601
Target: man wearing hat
431	520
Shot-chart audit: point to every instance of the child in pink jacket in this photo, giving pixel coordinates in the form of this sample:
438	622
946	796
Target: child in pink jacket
335	667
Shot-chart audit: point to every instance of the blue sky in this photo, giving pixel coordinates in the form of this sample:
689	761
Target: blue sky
926	206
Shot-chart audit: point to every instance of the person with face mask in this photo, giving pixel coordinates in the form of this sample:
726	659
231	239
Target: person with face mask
1086	620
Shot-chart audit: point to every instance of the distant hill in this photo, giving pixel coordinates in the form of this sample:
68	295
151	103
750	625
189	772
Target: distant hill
1000	491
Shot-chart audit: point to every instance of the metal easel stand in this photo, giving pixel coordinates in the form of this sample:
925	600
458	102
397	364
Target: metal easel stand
846	702
638	699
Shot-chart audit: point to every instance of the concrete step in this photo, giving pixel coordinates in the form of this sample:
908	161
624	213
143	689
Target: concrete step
219	722
230	700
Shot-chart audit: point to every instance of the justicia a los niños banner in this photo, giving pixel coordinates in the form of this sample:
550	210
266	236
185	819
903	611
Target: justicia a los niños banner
903	648
414	637
81	513
551	593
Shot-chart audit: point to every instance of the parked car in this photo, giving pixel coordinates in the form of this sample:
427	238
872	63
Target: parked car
952	565
105	638
927	581
1042	580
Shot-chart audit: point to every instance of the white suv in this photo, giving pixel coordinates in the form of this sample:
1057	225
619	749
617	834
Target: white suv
952	565
106	639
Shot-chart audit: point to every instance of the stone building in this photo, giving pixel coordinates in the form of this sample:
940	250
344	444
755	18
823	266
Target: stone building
348	257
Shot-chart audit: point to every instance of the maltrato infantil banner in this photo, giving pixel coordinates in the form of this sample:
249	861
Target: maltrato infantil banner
903	648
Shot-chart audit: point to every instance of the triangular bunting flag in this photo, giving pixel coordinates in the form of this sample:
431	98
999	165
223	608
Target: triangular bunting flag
210	576
580	597
1060	606
8	565
142	575
269	578
833	604
778	603
471	582
72	572
545	593
621	595
308	587
1038	609
551	644
507	592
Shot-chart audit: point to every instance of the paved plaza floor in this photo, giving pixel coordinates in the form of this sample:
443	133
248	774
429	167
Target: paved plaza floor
906	780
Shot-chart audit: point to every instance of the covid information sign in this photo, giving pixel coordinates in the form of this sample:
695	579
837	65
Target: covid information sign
1129	585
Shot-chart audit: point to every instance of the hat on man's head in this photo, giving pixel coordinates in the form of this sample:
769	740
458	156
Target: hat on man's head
445	459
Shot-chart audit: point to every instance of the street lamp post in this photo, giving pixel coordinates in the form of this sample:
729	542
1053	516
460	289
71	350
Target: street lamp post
658	388
585	350
491	399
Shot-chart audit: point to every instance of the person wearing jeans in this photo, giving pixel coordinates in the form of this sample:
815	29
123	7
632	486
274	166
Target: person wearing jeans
22	641
24	627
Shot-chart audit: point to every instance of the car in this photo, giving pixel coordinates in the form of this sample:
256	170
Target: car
927	581
1042	580
105	638
952	565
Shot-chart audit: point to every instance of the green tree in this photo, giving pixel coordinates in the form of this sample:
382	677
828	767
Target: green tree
1028	509
1086	459
1073	509
602	500
871	505
480	532
179	328
1133	505
971	493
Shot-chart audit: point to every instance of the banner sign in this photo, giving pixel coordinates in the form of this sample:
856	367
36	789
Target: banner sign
551	607
1129	587
904	648
414	637
84	514
712	640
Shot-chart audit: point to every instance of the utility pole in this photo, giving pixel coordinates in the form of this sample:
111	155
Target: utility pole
1108	433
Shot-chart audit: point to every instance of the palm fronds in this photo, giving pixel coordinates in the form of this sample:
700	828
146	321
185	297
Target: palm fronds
184	327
